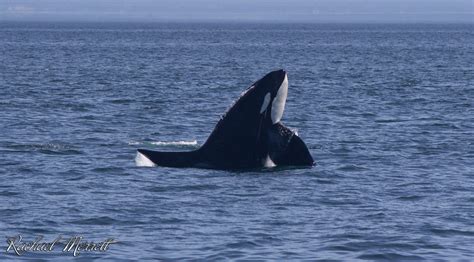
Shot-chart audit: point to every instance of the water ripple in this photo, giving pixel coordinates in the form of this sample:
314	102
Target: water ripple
386	111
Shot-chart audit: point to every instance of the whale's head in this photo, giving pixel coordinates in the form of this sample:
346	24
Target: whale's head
274	89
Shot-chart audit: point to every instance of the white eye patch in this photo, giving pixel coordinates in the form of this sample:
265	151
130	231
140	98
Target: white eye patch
266	102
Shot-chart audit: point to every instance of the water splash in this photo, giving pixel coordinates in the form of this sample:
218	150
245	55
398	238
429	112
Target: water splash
175	143
166	143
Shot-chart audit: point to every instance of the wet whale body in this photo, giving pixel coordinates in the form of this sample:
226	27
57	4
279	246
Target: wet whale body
248	135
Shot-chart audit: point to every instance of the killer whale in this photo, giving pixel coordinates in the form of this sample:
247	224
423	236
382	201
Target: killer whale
249	135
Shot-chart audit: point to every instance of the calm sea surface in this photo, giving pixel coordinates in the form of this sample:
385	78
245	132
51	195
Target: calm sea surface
386	110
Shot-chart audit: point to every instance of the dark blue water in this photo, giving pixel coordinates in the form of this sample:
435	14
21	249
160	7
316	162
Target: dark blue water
386	110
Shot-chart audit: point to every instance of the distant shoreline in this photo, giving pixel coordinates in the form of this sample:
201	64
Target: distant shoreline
230	22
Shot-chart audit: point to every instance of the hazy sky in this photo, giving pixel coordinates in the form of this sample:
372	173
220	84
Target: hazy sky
241	10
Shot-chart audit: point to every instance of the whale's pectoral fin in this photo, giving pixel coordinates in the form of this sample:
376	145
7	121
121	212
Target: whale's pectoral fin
296	154
286	148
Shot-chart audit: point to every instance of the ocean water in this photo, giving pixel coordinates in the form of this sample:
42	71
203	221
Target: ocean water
387	112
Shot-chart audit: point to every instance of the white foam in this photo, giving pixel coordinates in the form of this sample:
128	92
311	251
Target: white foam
175	143
295	131
163	143
278	104
142	160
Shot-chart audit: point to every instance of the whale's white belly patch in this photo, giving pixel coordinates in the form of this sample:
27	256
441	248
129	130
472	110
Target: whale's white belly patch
268	162
142	160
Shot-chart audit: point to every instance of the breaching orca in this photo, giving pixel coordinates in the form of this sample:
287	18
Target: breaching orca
249	134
